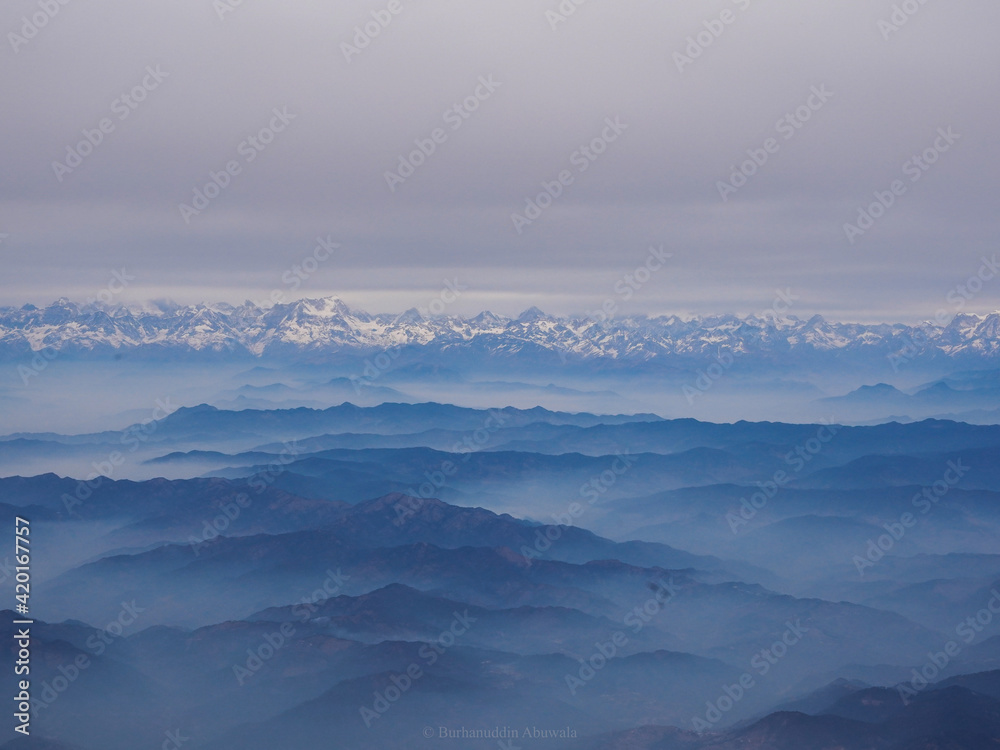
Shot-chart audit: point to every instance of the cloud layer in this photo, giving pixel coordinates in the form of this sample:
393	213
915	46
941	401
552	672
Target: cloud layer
410	133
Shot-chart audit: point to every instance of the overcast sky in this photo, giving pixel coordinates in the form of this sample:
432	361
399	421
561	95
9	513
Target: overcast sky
684	127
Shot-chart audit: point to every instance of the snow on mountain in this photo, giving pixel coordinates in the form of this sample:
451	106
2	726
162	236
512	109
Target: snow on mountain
328	325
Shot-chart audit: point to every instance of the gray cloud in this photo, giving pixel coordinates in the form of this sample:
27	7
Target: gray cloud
657	183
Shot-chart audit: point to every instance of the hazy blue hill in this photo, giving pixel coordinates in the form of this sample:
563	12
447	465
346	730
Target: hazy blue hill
397	519
103	691
387	418
915	470
486	471
528	692
37	743
952	715
536	429
867	719
672	436
306	504
189	590
934	602
810	545
796	731
938	396
984	655
398	612
136	514
881	393
650	737
434	700
215	585
714	517
985	683
818	701
873	705
438	439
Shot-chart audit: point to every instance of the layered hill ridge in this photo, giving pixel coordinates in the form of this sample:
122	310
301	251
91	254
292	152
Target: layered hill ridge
630	579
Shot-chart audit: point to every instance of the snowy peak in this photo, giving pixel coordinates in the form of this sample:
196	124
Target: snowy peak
530	315
328	326
327	307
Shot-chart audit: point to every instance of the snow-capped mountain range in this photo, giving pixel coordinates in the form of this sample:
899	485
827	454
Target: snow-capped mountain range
318	326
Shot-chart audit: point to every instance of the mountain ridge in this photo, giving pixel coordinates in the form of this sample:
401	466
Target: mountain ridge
311	326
